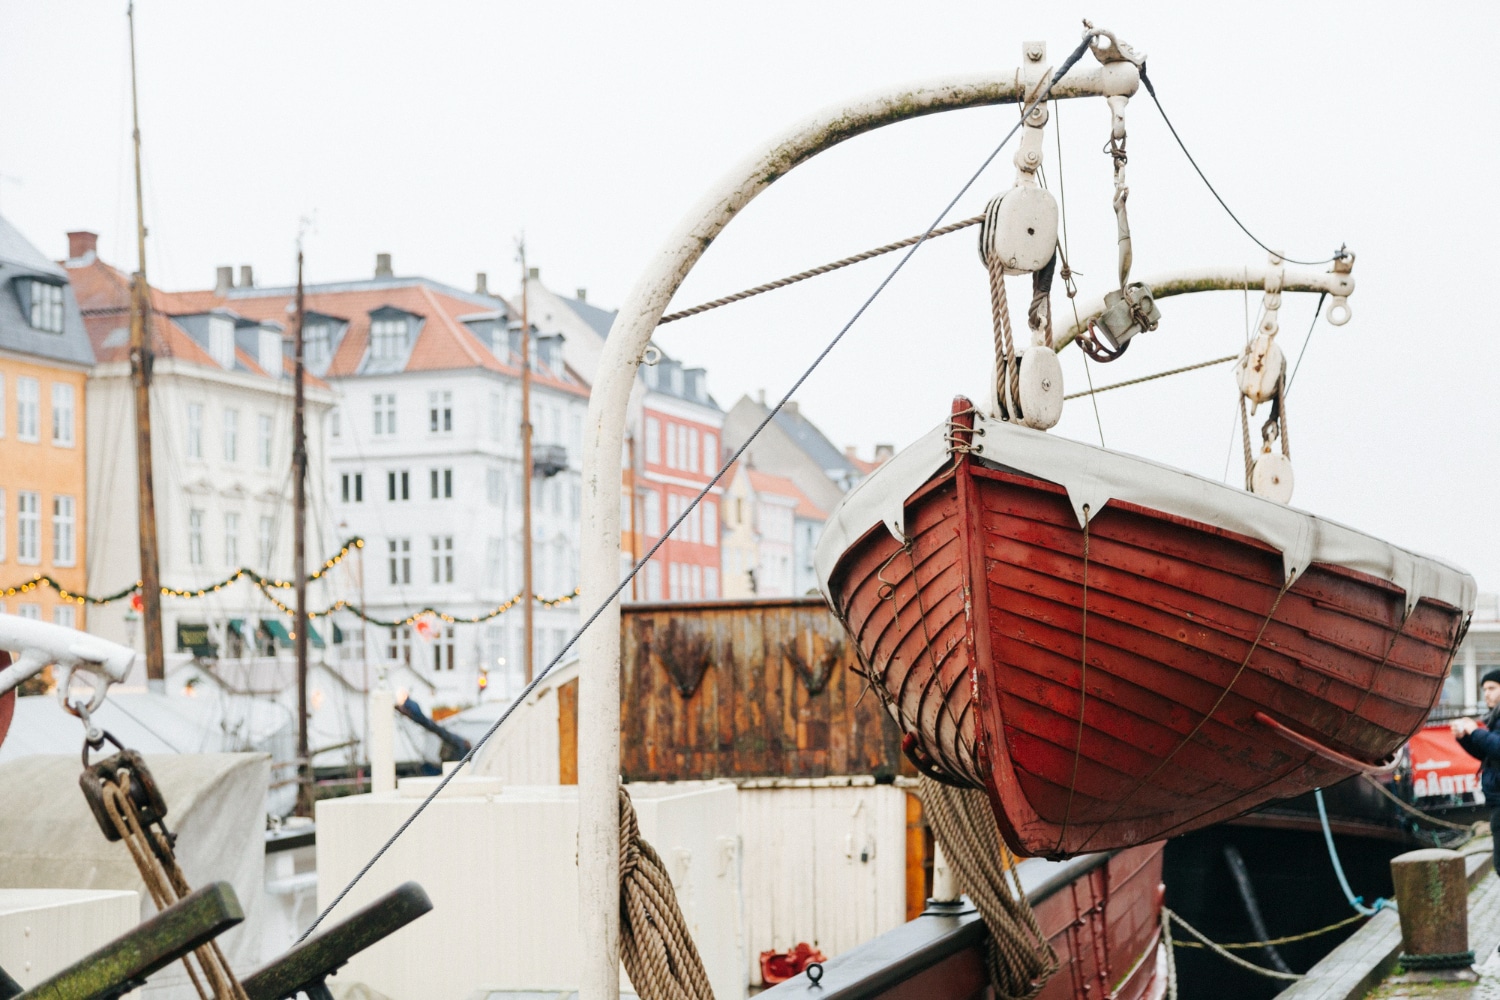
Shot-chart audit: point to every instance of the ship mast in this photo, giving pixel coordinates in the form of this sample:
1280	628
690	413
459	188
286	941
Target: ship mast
140	377
528	599
299	549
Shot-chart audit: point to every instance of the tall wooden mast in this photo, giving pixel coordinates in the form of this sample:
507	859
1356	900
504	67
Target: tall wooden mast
299	550
528	598
140	376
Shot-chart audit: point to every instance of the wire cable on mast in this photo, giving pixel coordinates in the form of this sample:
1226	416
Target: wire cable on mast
1222	204
619	588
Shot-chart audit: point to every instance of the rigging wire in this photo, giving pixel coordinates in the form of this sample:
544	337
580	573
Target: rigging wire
1306	340
1148	378
771	286
1222	204
771	414
1062	195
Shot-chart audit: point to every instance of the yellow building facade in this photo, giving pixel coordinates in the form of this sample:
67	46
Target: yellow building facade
45	357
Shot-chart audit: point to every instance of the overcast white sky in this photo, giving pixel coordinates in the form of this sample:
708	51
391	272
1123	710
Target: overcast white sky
438	132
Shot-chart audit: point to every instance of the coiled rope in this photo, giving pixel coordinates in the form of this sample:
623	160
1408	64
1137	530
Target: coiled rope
1019	957
655	945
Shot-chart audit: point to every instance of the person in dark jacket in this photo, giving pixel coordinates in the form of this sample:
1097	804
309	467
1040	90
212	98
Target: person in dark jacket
1481	740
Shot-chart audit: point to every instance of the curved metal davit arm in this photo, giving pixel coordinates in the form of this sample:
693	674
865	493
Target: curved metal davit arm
600	555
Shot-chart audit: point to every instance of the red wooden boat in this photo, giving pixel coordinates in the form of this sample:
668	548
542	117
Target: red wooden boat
1118	651
7	700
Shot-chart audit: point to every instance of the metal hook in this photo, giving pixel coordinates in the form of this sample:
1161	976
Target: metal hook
815	974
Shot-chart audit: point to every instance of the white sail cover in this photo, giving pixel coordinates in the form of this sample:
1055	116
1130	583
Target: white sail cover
1094	476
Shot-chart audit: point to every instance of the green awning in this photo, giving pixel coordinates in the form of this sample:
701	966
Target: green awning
276	632
313	636
237	627
193	637
338	635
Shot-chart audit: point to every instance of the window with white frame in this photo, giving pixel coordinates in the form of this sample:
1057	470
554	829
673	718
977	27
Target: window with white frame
674	581
335	422
267	539
710	522
494	563
195	430
651	504
221	341
398	644
231	435
398	485
264	432
195	537
387	339
653	441
442	559
65	615
353	487
710	452
46	306
64	531
653	580
316	345
494	487
28	527
692	450
231	539
441	484
32	611
710	583
671	441
269	352
399	552
28	409
443	649
385	413
62	414
440	411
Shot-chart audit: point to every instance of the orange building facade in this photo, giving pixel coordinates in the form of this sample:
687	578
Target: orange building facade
45	359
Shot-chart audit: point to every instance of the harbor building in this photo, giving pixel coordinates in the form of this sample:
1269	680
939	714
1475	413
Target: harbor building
221	413
424	462
45	357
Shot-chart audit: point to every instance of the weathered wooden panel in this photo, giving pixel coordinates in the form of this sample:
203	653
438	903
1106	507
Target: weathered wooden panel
747	689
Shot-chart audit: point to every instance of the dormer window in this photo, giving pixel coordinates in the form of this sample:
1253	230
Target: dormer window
317	341
221	341
388	338
46	305
269	352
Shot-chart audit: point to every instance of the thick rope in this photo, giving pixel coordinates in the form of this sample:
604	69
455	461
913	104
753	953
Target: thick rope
164	880
1420	814
1166	940
1168	916
1286	939
1149	378
771	286
1249	454
1007	371
655	944
1019	957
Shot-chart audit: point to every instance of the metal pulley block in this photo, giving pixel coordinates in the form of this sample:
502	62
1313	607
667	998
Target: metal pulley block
1019	230
1259	370
1272	477
1041	387
1127	313
143	791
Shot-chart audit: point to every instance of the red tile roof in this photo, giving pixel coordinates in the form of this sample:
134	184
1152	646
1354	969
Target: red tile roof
444	343
768	482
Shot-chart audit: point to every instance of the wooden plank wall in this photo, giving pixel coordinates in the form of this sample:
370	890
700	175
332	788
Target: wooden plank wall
747	689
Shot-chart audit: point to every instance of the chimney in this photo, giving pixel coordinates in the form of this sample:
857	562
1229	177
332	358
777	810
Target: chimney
224	280
383	266
760	397
481	284
791	407
583	295
535	273
82	243
851	452
247	276
884	452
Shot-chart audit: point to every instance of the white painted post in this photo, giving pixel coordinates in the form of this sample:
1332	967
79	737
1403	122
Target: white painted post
382	749
599	688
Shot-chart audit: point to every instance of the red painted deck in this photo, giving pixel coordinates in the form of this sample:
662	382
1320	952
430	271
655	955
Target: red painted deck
1176	687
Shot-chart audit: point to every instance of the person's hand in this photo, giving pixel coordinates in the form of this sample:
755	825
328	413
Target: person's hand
1462	727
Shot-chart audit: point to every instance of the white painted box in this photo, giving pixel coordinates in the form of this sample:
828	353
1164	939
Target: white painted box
43	931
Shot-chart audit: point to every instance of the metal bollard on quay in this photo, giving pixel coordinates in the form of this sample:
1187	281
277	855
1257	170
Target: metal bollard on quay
1432	898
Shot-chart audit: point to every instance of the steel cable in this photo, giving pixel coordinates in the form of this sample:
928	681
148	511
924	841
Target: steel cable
619	588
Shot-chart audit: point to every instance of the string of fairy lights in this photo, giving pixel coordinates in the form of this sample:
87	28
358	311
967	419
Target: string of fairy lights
268	586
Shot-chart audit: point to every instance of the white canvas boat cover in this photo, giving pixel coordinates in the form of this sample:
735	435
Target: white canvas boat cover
1093	476
215	805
